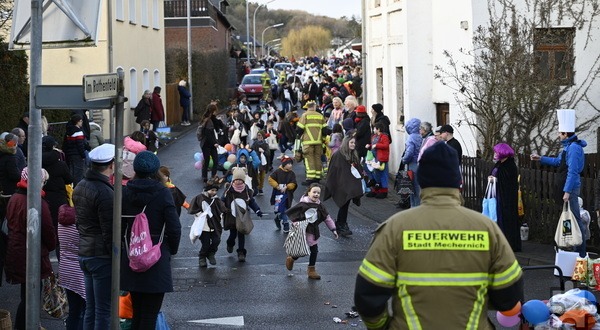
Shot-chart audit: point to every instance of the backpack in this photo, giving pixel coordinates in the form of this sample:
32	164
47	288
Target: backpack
142	254
200	131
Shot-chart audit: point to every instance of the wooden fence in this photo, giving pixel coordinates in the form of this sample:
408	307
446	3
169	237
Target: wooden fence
537	187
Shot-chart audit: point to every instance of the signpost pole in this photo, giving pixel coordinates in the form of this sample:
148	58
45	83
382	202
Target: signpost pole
116	230
34	164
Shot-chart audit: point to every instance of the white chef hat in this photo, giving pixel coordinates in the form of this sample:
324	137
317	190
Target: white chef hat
566	120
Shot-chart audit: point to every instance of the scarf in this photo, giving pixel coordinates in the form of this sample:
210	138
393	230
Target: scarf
23	185
337	114
238	185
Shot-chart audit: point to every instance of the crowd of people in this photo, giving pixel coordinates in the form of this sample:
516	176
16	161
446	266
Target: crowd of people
345	149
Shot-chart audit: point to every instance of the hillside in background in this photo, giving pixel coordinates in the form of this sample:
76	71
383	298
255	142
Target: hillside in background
345	28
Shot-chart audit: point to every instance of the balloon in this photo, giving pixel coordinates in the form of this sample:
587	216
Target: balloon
232	158
587	295
227	165
535	312
197	156
508	321
514	311
229	147
198	165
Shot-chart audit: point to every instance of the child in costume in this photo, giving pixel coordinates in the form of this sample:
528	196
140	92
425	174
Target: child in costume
211	233
178	195
238	190
310	208
283	181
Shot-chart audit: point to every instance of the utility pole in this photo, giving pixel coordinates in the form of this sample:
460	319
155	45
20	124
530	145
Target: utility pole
34	166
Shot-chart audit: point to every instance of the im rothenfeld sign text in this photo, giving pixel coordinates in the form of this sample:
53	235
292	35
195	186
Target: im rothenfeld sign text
100	86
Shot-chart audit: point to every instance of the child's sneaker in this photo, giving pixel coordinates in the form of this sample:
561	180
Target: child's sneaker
260	192
211	259
286	227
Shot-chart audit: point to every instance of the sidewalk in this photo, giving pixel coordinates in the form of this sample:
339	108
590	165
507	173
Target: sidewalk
379	210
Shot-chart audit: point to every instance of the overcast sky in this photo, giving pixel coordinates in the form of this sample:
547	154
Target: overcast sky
332	8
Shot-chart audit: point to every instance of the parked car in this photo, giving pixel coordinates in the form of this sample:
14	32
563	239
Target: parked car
282	66
251	86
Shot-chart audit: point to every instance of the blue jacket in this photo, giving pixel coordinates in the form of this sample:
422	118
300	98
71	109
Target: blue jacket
575	162
414	141
184	96
250	157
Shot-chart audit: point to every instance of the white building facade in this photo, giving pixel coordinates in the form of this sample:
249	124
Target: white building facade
137	48
406	39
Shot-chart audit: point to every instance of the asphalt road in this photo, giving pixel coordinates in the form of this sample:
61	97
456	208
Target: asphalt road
261	293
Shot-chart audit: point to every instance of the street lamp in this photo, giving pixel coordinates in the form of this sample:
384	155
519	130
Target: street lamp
254	24
262	39
270	41
273	47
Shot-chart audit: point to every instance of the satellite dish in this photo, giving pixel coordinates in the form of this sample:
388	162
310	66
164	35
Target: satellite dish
65	24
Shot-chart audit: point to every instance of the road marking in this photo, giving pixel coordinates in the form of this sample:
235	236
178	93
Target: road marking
233	320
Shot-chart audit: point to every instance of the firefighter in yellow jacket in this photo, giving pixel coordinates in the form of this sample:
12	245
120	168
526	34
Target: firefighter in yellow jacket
441	263
309	131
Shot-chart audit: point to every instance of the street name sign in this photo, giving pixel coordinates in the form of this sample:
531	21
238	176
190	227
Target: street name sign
100	86
66	97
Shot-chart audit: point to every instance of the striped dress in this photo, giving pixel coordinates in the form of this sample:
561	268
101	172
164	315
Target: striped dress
71	275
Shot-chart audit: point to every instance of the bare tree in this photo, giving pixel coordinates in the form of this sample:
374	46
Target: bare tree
509	88
6	10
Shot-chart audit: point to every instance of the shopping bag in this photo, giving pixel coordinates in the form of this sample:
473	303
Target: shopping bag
566	262
489	201
200	221
54	298
295	243
404	182
125	305
568	233
161	322
280	203
243	221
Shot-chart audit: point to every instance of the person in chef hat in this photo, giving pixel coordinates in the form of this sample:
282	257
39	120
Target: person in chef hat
570	163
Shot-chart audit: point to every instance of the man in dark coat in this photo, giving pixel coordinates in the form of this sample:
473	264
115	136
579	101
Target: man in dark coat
93	199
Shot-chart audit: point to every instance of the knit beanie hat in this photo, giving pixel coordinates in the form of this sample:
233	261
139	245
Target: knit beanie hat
377	107
361	109
48	143
286	160
25	175
146	162
438	167
239	174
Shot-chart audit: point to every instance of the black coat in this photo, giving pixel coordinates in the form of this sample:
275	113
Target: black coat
341	185
217	207
93	199
143	110
363	136
160	211
59	176
9	171
507	188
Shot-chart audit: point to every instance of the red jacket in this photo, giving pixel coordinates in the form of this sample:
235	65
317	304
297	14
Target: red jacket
158	110
16	252
382	146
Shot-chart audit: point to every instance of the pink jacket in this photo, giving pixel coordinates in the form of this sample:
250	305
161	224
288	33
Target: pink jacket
130	149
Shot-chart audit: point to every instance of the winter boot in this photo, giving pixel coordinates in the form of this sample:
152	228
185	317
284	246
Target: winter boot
229	248
202	261
373	193
211	258
382	193
312	273
289	263
347	230
242	255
